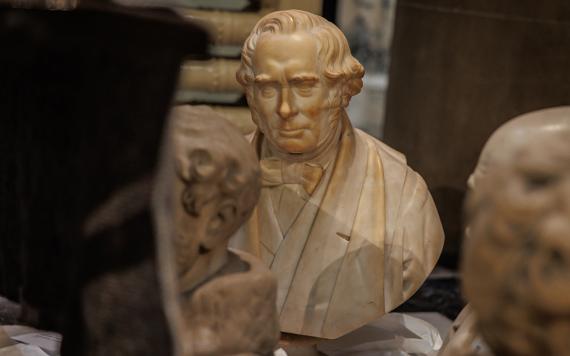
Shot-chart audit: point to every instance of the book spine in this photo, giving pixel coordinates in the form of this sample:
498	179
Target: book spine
215	75
225	28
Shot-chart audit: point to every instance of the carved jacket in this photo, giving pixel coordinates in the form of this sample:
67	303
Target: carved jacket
363	244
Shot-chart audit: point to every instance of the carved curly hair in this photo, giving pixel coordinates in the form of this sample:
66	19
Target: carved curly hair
213	153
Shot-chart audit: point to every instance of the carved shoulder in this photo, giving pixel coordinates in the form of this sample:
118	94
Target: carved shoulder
385	151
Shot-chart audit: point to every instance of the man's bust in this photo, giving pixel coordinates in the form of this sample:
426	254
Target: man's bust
227	298
347	227
504	150
516	259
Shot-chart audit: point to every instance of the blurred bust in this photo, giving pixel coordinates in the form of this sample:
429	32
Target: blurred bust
502	146
227	297
518	191
339	210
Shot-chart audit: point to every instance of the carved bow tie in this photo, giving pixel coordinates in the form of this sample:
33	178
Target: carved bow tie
275	172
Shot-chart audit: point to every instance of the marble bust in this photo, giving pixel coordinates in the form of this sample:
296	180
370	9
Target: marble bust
508	147
227	297
519	228
347	227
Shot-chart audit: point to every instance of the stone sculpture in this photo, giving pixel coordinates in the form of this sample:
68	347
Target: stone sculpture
463	338
506	142
526	150
347	227
227	297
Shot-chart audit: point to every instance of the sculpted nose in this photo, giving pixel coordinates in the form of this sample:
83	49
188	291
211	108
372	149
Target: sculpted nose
285	108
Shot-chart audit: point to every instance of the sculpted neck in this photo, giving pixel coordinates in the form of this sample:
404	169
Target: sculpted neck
322	155
205	266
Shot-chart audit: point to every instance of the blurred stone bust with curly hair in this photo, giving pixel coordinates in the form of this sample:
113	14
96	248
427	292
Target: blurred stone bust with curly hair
347	227
227	297
517	256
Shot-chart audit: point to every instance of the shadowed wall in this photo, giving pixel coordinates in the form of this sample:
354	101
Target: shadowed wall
459	69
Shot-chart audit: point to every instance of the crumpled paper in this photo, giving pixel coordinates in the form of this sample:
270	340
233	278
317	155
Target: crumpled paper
27	341
394	334
22	350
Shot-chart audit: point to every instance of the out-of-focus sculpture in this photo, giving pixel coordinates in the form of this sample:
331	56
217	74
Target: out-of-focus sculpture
347	227
504	144
519	190
227	297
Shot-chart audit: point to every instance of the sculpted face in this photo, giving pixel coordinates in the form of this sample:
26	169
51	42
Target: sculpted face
290	95
197	235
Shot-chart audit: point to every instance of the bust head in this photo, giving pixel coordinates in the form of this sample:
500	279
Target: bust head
517	259
298	74
509	138
217	183
516	133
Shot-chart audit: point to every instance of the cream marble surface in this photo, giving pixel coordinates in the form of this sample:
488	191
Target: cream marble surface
347	227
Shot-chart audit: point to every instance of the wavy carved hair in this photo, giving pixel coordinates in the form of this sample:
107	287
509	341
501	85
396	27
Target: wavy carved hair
340	66
211	150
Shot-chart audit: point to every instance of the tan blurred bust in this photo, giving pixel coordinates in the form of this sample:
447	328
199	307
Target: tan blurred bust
505	142
527	134
227	297
347	227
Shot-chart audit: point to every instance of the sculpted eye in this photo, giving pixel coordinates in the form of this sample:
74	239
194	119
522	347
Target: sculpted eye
304	87
267	91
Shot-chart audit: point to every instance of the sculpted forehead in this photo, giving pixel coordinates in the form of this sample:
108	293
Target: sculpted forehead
290	52
532	130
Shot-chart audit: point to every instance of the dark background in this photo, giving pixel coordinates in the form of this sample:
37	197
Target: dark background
461	68
83	98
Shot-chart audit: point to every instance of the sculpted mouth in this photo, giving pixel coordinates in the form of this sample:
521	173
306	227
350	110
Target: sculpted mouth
291	133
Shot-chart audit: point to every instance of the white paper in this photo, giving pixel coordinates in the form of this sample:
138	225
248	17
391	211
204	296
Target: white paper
22	350
48	341
280	352
394	334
